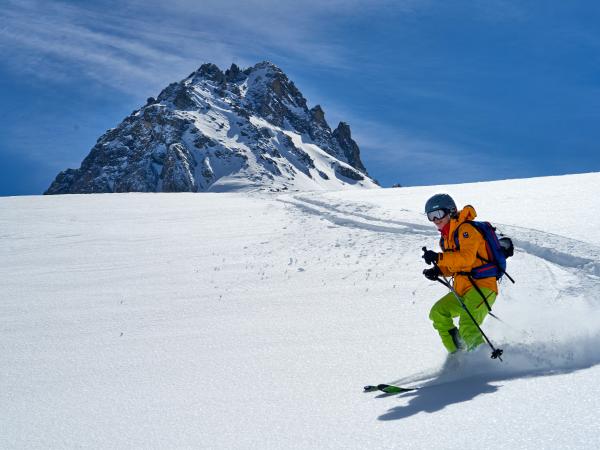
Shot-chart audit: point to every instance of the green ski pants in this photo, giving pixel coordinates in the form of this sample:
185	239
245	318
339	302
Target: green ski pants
448	307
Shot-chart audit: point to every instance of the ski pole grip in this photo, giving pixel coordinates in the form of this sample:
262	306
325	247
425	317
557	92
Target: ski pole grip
424	250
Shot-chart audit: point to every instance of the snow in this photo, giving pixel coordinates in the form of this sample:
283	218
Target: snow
254	320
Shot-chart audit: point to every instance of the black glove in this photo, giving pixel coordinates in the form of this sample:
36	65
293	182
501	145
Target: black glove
430	256
433	273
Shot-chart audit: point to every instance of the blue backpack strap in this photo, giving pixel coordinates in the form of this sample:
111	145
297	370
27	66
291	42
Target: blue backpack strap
490	268
481	269
456	242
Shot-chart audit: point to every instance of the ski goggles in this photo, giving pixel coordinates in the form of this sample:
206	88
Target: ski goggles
437	214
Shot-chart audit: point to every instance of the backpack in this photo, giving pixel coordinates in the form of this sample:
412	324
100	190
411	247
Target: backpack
498	249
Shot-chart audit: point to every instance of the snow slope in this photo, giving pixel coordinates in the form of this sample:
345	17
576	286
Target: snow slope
253	321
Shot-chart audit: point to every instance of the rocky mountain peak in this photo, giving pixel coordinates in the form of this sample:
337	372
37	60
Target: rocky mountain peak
234	74
318	116
218	131
343	136
210	72
266	66
343	131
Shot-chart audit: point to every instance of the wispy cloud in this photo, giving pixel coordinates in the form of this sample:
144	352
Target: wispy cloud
138	46
65	42
407	150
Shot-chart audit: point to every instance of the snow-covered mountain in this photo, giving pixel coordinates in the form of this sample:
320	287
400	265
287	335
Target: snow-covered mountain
222	131
252	321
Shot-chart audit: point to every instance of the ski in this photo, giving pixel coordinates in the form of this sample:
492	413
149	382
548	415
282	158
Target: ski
389	388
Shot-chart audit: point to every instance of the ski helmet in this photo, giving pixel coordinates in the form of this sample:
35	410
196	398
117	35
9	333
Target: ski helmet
440	201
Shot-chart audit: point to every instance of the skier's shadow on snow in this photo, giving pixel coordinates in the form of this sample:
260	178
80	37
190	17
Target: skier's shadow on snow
486	376
437	394
435	398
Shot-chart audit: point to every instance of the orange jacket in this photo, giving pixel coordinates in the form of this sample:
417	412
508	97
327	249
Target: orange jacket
472	245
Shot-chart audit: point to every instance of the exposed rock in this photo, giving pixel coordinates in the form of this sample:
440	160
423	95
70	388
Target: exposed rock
211	72
318	116
234	74
177	173
347	172
349	148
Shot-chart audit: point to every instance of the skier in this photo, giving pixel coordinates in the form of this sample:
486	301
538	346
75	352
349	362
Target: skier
458	263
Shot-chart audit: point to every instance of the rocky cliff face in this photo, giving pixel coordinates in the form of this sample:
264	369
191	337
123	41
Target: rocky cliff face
221	131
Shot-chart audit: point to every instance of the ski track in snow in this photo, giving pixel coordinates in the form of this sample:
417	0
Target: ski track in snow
529	349
352	219
559	250
556	249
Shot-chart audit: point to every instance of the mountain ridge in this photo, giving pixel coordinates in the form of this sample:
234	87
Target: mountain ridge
222	131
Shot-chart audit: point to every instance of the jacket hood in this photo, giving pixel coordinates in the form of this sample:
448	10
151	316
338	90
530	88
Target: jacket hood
467	213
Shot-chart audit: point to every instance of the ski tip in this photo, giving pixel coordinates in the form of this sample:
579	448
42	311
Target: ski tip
370	388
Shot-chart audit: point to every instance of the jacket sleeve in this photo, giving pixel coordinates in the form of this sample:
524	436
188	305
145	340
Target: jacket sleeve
445	271
463	260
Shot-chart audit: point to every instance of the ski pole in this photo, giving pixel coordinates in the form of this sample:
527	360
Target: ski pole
496	352
484	299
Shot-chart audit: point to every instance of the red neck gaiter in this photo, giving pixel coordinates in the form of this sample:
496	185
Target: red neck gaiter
445	231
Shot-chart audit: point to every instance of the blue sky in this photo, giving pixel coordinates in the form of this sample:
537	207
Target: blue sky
434	91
